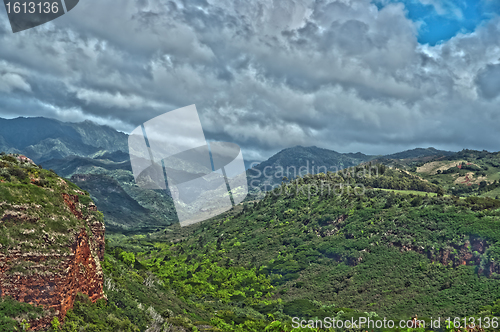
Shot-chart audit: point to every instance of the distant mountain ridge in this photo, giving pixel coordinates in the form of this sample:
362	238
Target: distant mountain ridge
419	153
100	154
299	160
45	139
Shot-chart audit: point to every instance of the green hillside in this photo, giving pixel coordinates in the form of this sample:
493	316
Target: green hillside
466	173
34	211
393	254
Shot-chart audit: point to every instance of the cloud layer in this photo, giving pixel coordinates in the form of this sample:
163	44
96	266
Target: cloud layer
267	75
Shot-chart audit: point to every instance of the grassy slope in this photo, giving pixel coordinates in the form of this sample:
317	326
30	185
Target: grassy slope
443	171
34	214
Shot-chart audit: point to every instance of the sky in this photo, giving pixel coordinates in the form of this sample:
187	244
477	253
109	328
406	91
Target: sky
438	21
377	76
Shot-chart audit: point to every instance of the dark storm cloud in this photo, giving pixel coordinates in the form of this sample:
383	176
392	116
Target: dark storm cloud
264	74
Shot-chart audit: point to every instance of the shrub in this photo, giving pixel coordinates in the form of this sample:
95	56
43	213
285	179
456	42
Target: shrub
56	326
127	257
10	159
18	173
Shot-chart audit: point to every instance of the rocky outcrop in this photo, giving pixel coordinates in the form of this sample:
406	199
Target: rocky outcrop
50	249
53	286
471	253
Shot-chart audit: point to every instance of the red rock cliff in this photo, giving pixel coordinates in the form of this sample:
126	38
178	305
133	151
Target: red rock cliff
53	278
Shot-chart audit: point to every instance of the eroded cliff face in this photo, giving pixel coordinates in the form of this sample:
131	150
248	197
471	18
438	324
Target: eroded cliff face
50	249
54	287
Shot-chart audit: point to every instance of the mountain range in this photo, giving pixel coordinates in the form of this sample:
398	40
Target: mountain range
46	139
96	158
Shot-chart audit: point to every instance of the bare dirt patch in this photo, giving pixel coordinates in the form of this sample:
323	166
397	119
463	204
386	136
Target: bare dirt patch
469	179
432	167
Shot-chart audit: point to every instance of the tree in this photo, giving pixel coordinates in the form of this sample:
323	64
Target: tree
127	257
55	324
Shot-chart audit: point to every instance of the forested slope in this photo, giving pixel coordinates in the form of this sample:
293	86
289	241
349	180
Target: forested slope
392	254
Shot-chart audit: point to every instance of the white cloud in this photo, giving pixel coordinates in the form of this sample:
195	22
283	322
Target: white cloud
117	100
264	74
12	81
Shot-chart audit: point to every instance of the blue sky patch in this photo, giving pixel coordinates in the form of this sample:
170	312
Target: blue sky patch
443	19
